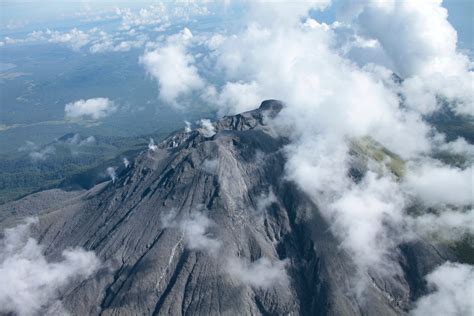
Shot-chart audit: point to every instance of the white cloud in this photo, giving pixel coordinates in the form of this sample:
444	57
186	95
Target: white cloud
260	273
459	146
331	101
187	126
152	146
74	38
360	216
215	41
37	153
195	229
210	166
88	140
111	173
453	286
96	108
173	68
448	224
110	45
234	97
423	50
78	140
152	15
29	146
265	200
207	128
126	162
42	154
283	12
29	283
437	184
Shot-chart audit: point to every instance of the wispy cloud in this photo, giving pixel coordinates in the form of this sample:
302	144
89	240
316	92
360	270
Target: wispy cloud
152	146
29	283
111	173
196	228
261	273
36	153
126	162
210	166
207	128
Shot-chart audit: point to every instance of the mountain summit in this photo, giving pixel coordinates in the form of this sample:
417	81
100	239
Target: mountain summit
206	223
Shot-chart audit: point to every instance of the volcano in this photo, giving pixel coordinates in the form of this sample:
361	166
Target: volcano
206	223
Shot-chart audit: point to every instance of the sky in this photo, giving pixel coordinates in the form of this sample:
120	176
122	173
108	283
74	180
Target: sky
333	65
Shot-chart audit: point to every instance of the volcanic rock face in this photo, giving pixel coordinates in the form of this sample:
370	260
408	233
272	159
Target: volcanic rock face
209	226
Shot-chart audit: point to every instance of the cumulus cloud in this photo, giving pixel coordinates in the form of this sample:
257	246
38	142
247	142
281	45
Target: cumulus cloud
96	108
152	15
159	14
283	11
423	50
437	184
453	290
173	68
96	40
111	46
135	25
74	38
234	97
29	283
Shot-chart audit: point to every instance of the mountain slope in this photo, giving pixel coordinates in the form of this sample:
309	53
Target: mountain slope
206	224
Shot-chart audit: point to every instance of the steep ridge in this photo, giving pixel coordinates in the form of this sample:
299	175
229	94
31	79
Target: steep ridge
208	225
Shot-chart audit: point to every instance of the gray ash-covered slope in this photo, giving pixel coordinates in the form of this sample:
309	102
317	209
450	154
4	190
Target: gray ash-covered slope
135	227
